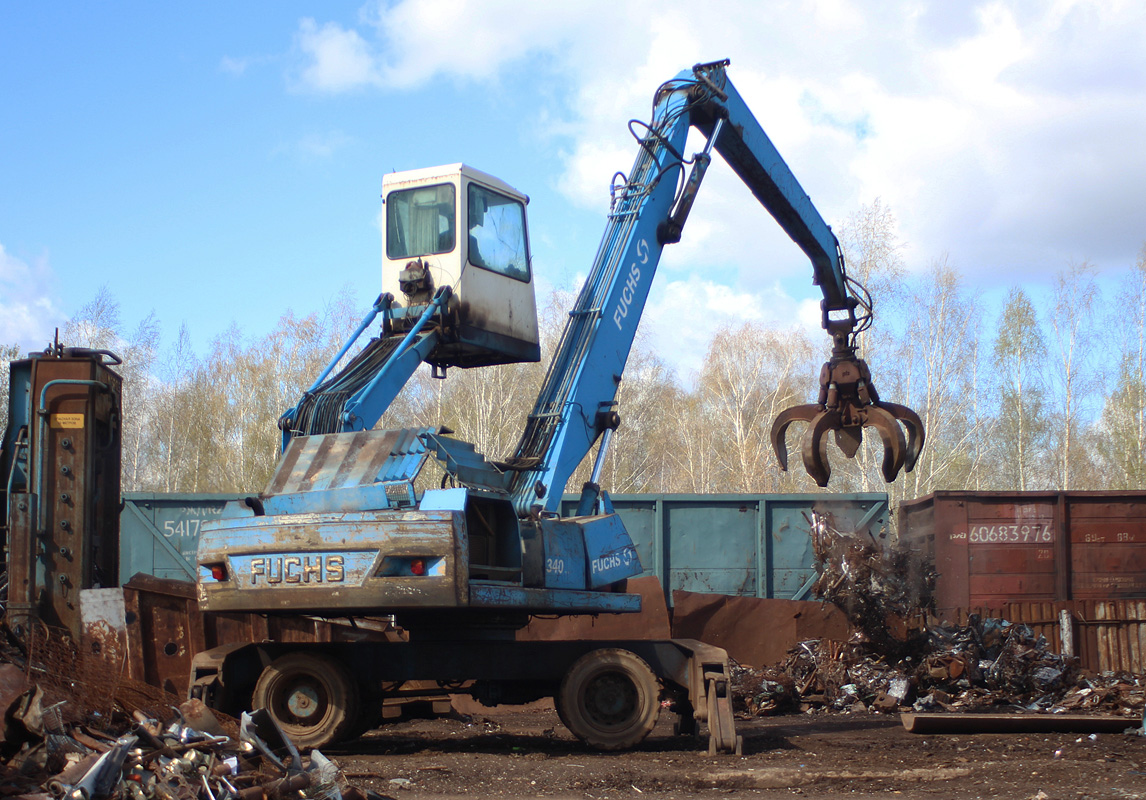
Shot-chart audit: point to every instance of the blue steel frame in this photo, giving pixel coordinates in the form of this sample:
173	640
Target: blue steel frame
366	406
580	389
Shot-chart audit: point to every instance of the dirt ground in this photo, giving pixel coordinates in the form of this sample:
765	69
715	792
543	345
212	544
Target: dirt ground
519	753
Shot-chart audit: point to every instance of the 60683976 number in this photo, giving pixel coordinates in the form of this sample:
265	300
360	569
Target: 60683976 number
1018	533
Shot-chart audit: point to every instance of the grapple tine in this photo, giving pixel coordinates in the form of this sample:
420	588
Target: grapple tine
815	446
780	429
894	447
915	434
849	439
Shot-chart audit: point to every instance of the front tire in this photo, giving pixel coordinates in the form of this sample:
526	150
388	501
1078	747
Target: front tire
310	696
609	699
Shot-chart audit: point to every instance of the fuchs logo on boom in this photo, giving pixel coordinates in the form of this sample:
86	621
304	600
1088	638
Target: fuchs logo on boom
631	283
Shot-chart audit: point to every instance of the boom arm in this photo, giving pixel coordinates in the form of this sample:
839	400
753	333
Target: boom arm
577	401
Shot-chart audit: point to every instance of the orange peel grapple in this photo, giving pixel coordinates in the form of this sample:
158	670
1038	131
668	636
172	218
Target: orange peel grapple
848	403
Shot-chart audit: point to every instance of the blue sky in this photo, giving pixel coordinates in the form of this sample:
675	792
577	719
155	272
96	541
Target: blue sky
222	162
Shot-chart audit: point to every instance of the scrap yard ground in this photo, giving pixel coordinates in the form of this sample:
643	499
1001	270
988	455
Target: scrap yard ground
522	753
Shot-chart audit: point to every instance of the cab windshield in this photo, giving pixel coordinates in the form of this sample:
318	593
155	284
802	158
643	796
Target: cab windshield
420	222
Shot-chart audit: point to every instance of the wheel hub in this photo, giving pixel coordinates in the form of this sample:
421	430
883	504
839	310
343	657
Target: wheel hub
303	702
610	699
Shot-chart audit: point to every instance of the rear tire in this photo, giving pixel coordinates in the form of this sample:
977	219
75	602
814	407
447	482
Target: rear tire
310	696
609	699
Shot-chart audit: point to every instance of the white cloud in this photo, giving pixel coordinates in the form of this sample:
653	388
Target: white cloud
339	59
315	145
1004	133
235	66
682	316
28	311
413	41
238	66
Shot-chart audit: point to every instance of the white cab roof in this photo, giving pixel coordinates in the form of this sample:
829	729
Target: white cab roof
394	180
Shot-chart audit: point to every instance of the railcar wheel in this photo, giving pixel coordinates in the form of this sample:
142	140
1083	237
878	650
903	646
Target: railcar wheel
609	699
310	696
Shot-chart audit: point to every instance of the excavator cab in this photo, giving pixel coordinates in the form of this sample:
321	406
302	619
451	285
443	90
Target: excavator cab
455	226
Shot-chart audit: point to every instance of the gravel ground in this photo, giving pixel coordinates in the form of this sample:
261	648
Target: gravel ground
519	753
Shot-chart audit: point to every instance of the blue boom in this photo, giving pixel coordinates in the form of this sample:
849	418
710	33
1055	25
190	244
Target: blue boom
576	403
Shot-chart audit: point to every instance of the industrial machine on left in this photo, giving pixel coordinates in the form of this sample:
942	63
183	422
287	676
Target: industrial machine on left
60	467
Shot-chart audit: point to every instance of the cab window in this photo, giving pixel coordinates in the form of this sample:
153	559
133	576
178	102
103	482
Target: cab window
497	233
420	222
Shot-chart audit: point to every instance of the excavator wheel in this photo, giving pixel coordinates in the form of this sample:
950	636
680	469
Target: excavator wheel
310	696
609	699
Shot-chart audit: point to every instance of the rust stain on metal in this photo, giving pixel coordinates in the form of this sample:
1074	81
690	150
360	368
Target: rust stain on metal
736	624
998	547
1012	723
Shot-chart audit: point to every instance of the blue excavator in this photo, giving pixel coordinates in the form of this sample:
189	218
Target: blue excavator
346	530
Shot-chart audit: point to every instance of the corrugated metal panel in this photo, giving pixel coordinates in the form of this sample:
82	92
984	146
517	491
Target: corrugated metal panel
348	460
1107	635
1108	546
711	546
746	545
753	545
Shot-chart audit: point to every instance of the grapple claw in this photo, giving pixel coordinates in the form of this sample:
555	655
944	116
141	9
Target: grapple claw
894	446
915	434
849	440
785	418
815	446
848	403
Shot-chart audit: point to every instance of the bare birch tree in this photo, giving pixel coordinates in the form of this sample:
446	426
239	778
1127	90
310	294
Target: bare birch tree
8	354
1120	440
939	357
750	374
1075	301
97	326
1019	358
873	257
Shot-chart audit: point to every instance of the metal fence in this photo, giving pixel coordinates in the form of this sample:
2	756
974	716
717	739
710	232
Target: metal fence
1106	635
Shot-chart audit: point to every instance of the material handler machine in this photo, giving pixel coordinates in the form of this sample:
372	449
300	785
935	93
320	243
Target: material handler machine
342	531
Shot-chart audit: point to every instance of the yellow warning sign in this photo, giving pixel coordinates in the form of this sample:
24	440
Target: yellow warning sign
67	420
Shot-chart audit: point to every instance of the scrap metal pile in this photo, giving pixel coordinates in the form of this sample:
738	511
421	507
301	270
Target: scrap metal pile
46	757
988	664
894	661
881	589
63	742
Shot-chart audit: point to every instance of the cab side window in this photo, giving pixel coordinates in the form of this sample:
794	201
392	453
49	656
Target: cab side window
497	233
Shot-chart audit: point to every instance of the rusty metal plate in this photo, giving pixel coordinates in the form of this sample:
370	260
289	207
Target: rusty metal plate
651	622
166	629
987	589
754	631
74	468
1012	559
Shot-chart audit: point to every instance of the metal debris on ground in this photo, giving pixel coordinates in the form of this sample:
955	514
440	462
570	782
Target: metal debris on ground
986	665
894	661
56	749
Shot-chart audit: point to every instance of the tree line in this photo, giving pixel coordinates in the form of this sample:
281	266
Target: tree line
1046	394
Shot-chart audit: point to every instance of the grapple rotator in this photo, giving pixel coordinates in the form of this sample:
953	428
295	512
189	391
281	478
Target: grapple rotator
848	403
